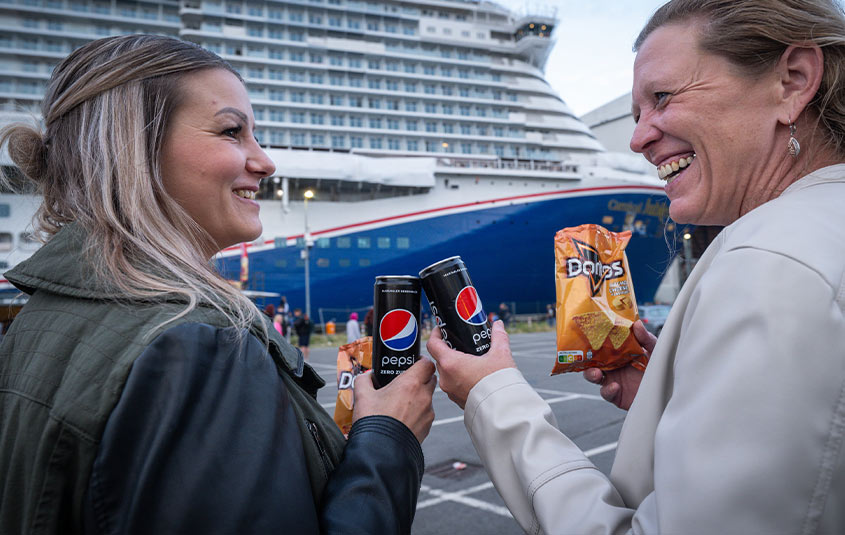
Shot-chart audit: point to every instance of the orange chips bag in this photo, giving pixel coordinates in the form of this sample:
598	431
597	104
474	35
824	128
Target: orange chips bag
352	359
596	306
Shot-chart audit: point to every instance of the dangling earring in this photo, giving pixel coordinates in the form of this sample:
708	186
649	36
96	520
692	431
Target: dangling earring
793	147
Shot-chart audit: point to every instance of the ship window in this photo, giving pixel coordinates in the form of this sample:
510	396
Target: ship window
4	210
363	262
280	243
343	262
5	241
281	263
384	243
403	243
343	242
363	243
300	262
323	243
322	262
300	243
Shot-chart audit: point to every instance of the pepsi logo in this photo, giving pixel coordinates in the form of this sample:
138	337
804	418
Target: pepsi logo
468	307
398	329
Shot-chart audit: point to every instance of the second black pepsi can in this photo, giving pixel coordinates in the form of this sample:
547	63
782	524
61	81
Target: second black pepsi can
456	306
396	315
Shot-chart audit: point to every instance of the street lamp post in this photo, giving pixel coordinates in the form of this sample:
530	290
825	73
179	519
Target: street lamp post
687	255
307	195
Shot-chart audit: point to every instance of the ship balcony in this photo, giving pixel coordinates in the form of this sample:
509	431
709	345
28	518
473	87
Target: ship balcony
83	13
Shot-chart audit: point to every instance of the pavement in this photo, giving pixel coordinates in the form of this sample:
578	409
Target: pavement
462	499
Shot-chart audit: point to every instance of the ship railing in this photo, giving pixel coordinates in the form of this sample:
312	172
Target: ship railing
505	163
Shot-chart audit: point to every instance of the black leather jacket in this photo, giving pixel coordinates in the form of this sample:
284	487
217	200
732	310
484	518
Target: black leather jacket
203	440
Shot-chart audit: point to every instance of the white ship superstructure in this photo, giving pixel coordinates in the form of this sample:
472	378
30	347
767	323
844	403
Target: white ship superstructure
388	77
423	128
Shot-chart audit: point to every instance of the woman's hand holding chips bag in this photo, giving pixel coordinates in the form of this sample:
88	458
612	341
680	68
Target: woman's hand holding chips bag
619	386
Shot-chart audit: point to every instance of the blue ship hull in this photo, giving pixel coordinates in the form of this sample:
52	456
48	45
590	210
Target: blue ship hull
507	246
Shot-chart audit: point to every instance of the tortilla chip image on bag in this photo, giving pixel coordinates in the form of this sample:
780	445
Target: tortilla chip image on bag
596	306
353	359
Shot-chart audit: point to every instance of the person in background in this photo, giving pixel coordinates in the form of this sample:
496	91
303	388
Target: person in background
279	324
139	391
353	330
368	322
426	322
284	310
550	315
270	310
736	426
303	327
504	314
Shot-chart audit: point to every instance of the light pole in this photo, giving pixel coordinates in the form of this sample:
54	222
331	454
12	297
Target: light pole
307	195
687	255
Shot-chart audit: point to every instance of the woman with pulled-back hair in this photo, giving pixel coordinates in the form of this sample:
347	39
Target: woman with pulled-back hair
139	391
738	423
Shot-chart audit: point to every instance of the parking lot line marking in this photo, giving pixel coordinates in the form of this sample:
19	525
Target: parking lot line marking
460	496
567	397
447	420
561	396
601	449
561	393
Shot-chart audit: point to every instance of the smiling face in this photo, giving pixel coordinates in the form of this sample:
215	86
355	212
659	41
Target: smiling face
211	163
712	133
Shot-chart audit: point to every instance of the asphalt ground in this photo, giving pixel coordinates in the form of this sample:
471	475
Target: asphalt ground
464	500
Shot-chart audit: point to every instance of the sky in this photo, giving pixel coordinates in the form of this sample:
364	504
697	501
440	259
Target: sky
591	62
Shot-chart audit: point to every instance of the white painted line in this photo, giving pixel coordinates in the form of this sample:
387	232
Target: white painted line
601	449
461	495
447	420
560	393
564	396
567	397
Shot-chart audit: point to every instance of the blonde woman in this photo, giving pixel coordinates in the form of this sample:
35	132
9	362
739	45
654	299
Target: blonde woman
140	393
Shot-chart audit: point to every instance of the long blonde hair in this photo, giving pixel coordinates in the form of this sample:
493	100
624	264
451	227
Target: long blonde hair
106	112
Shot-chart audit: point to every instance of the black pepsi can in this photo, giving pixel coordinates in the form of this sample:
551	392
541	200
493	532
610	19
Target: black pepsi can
456	306
396	316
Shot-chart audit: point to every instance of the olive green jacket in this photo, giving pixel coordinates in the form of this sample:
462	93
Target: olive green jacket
63	365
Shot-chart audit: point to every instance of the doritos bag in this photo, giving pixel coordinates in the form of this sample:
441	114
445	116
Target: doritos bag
595	301
352	359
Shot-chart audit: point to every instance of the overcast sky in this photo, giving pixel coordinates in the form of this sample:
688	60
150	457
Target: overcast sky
591	61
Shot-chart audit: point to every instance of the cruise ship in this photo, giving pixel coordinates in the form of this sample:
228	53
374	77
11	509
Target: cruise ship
403	132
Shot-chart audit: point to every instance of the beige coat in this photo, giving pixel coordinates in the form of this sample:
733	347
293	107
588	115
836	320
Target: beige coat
739	422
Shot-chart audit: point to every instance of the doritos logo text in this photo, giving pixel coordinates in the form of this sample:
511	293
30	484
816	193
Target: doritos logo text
588	264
